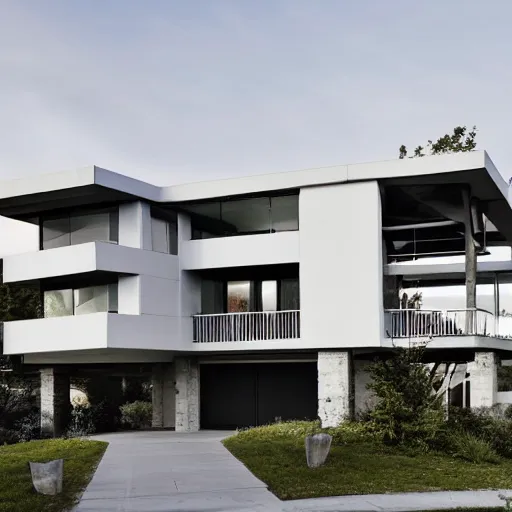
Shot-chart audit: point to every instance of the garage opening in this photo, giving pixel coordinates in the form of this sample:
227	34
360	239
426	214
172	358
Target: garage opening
250	394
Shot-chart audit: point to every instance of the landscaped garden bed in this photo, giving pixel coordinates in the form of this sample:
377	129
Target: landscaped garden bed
16	493
408	442
358	463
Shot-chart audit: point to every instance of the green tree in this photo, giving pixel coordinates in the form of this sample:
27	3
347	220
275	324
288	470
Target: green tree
407	411
460	141
16	303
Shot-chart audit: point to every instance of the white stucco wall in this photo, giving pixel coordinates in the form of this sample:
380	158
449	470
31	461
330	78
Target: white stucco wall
159	296
240	251
81	258
56	334
128	295
341	265
135	225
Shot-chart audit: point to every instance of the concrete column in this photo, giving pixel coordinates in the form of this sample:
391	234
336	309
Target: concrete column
483	378
187	394
55	402
470	253
163	396
135	225
335	387
364	398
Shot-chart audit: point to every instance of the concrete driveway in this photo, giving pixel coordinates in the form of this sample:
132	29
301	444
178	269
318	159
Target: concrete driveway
166	471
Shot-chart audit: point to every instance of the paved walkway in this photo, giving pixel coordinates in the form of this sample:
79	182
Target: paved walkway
166	471
170	472
406	502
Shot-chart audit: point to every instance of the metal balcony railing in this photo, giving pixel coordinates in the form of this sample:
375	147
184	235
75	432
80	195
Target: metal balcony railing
253	326
426	323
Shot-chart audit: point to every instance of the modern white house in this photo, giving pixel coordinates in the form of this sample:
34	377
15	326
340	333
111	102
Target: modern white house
265	297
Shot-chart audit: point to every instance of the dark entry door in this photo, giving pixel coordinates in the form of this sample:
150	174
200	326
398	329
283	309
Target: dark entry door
248	394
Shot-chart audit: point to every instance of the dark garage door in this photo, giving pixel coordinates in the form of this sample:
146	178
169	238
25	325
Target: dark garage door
249	394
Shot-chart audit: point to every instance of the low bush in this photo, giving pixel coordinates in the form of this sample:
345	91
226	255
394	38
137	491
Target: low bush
346	433
8	436
82	421
481	424
29	427
137	414
474	449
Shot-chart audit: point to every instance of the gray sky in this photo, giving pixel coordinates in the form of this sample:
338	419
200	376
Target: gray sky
175	91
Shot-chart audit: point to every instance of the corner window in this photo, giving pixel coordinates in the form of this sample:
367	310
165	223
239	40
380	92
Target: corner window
164	236
73	229
248	216
81	301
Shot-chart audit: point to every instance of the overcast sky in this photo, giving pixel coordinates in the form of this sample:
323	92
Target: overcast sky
175	91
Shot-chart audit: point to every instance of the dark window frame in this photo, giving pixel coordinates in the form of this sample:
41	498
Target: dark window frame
79	212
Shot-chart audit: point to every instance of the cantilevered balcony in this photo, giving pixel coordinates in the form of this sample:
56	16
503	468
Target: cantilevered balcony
253	326
430	323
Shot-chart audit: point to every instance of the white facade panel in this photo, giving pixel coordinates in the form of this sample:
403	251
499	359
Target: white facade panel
73	259
159	296
341	265
92	332
135	225
240	251
116	258
147	332
63	333
128	295
81	258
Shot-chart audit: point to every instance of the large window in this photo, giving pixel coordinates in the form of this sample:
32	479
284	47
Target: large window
256	215
164	235
73	229
219	296
81	301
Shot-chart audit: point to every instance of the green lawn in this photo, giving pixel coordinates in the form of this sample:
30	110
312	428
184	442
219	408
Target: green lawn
16	491
360	468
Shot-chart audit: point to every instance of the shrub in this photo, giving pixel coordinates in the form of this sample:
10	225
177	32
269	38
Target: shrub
508	412
16	400
29	427
480	423
348	432
8	436
137	414
474	449
407	410
82	421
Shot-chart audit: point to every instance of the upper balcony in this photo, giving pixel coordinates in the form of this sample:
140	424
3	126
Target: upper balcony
449	328
92	332
245	231
88	257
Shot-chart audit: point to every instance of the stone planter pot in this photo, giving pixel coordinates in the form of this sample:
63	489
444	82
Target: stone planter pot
317	449
47	477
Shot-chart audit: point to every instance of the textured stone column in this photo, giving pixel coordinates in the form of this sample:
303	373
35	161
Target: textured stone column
55	402
335	388
187	394
163	396
483	378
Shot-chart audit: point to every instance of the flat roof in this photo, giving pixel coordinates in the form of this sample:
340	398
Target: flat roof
20	198
408	167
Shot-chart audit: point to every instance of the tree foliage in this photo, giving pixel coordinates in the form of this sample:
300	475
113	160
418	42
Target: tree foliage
460	141
407	410
17	303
